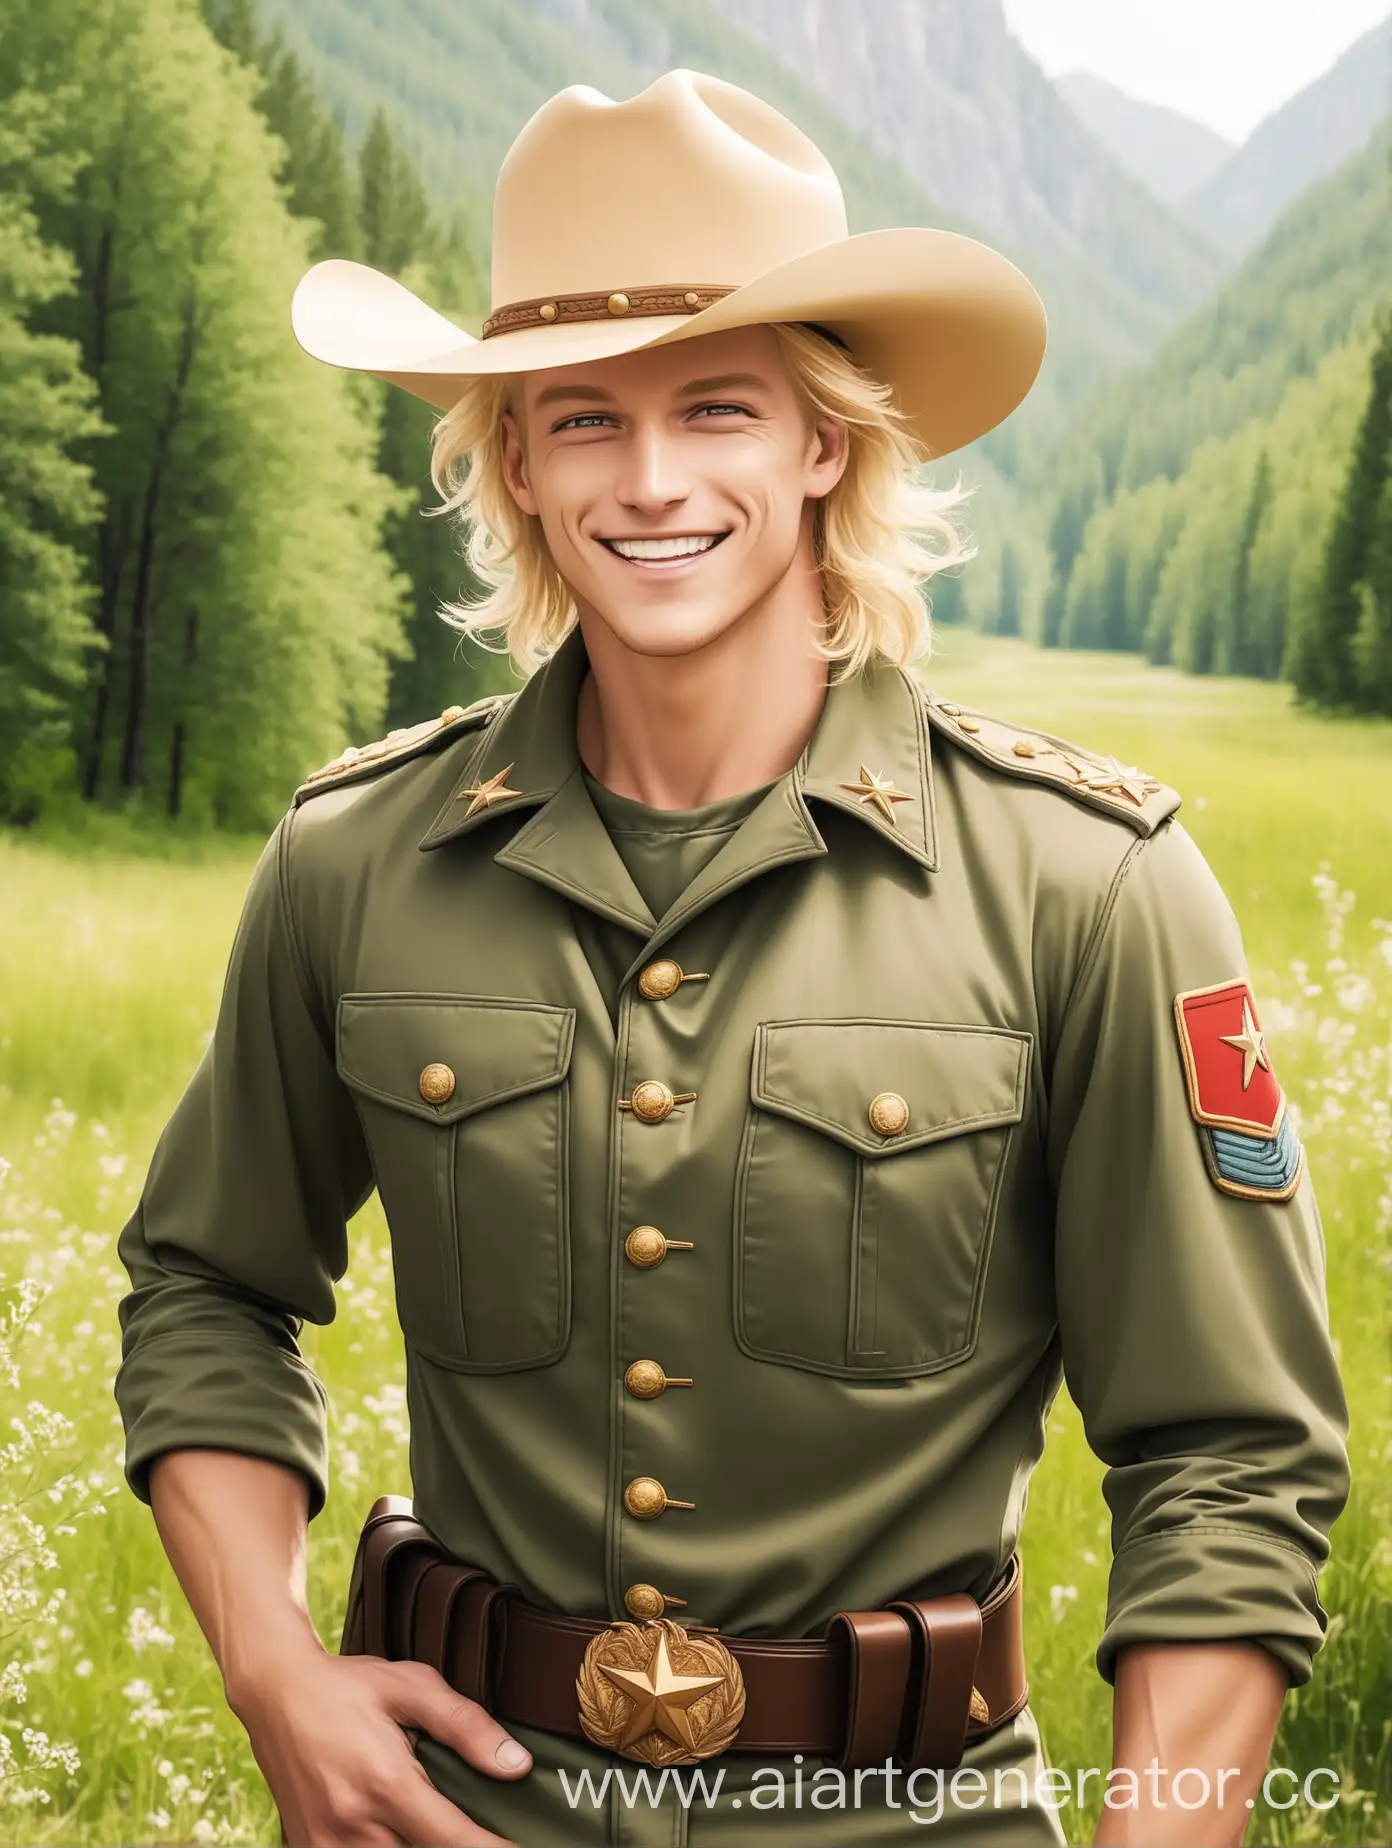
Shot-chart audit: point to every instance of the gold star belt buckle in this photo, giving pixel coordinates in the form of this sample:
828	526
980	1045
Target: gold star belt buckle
656	1694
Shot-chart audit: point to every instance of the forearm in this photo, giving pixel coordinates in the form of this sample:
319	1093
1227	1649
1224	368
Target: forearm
235	1529
1209	1708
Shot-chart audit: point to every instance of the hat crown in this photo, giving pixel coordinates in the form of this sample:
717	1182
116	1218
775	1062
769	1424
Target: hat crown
693	181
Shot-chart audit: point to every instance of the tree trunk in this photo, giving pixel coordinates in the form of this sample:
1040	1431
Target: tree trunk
142	612
110	550
176	753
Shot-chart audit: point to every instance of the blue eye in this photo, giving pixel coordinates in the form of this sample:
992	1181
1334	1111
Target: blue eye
580	419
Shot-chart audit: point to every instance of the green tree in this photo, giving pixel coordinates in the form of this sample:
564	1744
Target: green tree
1240	651
395	214
1372	644
47	499
1326	667
1010	603
375	210
315	171
250	612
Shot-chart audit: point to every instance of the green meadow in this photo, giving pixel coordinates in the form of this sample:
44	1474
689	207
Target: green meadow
112	948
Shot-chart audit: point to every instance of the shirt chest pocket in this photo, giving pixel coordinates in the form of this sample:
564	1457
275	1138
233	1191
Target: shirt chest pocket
866	1191
465	1104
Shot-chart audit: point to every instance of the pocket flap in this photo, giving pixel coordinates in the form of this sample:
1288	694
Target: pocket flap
494	1049
826	1073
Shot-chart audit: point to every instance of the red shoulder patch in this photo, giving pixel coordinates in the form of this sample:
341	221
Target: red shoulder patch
1226	1063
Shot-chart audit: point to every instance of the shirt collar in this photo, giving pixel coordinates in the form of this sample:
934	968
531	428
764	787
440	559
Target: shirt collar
869	756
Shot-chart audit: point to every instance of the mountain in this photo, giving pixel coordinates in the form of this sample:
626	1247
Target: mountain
1167	152
945	91
1314	286
1301	143
1314	283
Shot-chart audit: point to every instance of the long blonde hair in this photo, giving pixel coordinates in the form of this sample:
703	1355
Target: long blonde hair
880	535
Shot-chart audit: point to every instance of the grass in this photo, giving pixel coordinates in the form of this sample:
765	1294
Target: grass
111	965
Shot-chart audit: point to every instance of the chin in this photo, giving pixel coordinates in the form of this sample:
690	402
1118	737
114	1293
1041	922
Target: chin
671	630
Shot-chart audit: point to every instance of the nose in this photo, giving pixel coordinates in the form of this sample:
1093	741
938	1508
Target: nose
652	477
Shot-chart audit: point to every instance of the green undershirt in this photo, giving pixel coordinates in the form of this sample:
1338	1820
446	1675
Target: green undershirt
665	849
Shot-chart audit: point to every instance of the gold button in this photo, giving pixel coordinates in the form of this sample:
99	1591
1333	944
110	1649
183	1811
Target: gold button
645	1498
451	712
645	1379
968	725
1023	747
617	303
547	311
691	298
888	1113
652	1100
951	711
648	1601
645	1246
436	1083
660	979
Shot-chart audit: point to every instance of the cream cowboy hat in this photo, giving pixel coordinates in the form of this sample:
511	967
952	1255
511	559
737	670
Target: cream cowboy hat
692	208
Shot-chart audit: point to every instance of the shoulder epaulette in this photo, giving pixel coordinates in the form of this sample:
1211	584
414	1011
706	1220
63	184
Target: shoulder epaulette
1100	782
406	741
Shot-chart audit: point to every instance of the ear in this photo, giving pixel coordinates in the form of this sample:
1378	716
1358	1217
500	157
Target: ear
828	453
515	465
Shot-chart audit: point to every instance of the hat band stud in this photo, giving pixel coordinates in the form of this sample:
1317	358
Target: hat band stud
553	310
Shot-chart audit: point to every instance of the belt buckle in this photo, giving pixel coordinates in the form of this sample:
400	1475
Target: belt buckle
654	1693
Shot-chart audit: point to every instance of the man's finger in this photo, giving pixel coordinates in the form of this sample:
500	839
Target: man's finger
418	1696
425	1818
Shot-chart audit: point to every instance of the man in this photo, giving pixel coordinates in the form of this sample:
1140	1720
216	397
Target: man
774	1078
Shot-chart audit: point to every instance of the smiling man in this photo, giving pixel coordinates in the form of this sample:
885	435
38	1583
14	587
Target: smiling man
775	1077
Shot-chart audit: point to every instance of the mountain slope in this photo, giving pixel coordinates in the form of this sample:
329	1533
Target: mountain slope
1169	153
1316	284
943	89
1300	144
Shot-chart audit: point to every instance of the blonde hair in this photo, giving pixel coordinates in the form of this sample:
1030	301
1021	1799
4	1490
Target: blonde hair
880	535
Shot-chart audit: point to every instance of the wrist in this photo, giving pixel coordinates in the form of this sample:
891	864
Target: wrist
266	1657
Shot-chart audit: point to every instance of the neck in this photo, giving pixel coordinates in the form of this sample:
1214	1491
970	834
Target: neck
680	730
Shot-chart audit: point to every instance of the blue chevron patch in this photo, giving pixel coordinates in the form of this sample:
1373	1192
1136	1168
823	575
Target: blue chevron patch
1255	1167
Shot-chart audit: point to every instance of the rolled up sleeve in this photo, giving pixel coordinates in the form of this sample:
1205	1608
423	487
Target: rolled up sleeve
1193	1322
240	1233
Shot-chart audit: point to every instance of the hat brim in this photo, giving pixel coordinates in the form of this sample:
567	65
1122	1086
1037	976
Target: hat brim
952	326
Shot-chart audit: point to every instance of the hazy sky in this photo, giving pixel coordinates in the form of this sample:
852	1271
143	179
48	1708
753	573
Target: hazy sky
1228	63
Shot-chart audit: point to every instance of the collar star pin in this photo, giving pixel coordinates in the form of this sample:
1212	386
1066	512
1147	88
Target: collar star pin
879	792
484	795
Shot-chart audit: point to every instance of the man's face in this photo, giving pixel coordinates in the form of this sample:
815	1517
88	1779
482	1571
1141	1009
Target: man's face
675	487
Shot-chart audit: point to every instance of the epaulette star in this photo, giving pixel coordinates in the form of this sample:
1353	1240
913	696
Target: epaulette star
1099	781
402	742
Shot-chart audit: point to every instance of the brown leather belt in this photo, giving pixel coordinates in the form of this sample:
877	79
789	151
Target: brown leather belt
917	1680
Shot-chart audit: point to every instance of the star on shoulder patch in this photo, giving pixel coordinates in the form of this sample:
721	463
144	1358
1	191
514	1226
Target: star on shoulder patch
1249	1142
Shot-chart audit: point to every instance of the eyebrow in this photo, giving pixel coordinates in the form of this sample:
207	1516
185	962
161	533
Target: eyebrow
589	394
725	381
696	388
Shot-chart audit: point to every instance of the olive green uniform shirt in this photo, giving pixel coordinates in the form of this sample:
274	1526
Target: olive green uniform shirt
875	1324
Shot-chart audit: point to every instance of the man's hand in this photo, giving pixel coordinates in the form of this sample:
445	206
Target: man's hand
331	1740
329	1732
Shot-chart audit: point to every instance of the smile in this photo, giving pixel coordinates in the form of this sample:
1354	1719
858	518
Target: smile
673	549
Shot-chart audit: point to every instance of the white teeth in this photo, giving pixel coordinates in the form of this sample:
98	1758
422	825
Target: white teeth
680	547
